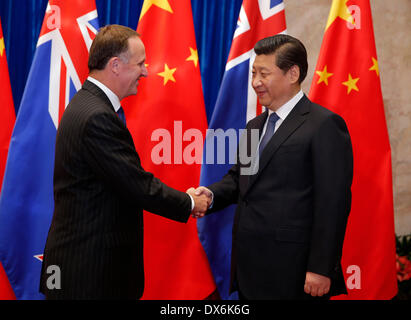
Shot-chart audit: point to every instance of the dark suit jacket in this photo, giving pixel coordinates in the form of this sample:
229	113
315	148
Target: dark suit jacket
100	192
292	214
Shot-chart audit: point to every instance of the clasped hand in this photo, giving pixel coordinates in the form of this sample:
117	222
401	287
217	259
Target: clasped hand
203	198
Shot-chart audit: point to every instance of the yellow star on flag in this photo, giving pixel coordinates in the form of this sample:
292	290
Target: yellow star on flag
351	84
167	74
375	66
1	46
339	9
324	75
193	56
162	4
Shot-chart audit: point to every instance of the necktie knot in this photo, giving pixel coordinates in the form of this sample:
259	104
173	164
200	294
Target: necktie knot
273	118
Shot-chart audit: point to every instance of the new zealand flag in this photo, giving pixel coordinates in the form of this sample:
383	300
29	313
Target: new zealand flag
26	204
236	104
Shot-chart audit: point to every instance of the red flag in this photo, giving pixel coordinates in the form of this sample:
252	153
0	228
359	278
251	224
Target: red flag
346	80
7	118
168	122
6	292
7	114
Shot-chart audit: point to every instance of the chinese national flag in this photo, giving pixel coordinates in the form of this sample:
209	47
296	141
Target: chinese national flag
7	118
168	122
347	81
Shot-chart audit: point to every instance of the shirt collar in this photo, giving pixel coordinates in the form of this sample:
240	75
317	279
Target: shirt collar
286	108
110	94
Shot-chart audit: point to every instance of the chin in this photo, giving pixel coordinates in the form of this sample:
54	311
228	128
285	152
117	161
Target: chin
132	92
263	102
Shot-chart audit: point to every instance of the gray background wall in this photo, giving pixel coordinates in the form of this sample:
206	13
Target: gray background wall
306	21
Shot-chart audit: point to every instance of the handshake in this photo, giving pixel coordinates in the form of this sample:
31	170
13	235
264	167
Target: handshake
203	198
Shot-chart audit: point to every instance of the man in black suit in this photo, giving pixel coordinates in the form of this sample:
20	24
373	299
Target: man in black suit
292	213
100	187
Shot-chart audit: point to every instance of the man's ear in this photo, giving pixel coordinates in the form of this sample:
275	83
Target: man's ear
114	65
294	74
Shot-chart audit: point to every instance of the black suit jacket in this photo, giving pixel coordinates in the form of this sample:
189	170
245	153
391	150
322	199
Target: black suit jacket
100	192
292	214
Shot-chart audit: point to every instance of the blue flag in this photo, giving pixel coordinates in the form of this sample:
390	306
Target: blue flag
236	104
26	204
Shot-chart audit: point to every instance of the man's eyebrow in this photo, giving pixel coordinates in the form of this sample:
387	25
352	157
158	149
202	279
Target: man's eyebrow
262	68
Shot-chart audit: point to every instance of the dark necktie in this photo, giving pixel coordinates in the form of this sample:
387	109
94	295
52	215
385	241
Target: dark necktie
268	132
121	115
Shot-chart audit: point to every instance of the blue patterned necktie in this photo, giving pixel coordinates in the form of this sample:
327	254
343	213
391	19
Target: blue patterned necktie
269	131
121	115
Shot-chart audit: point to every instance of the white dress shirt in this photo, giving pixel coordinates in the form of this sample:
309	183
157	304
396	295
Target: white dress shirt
115	101
282	112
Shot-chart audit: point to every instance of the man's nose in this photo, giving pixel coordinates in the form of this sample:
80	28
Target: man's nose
256	82
144	72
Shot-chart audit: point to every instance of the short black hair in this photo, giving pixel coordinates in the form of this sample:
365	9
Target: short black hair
111	41
288	50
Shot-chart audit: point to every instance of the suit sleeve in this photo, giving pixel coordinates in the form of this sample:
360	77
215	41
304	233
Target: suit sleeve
110	151
332	177
226	190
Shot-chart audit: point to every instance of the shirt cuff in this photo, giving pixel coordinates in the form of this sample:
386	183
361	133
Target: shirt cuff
192	202
212	199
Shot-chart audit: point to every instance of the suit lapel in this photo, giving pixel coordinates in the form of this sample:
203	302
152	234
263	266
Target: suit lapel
256	123
259	123
293	121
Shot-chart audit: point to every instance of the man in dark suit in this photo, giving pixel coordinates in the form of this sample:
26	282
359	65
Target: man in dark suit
292	213
100	187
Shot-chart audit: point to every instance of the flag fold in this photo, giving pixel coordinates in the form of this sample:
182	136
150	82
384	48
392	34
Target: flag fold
7	116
